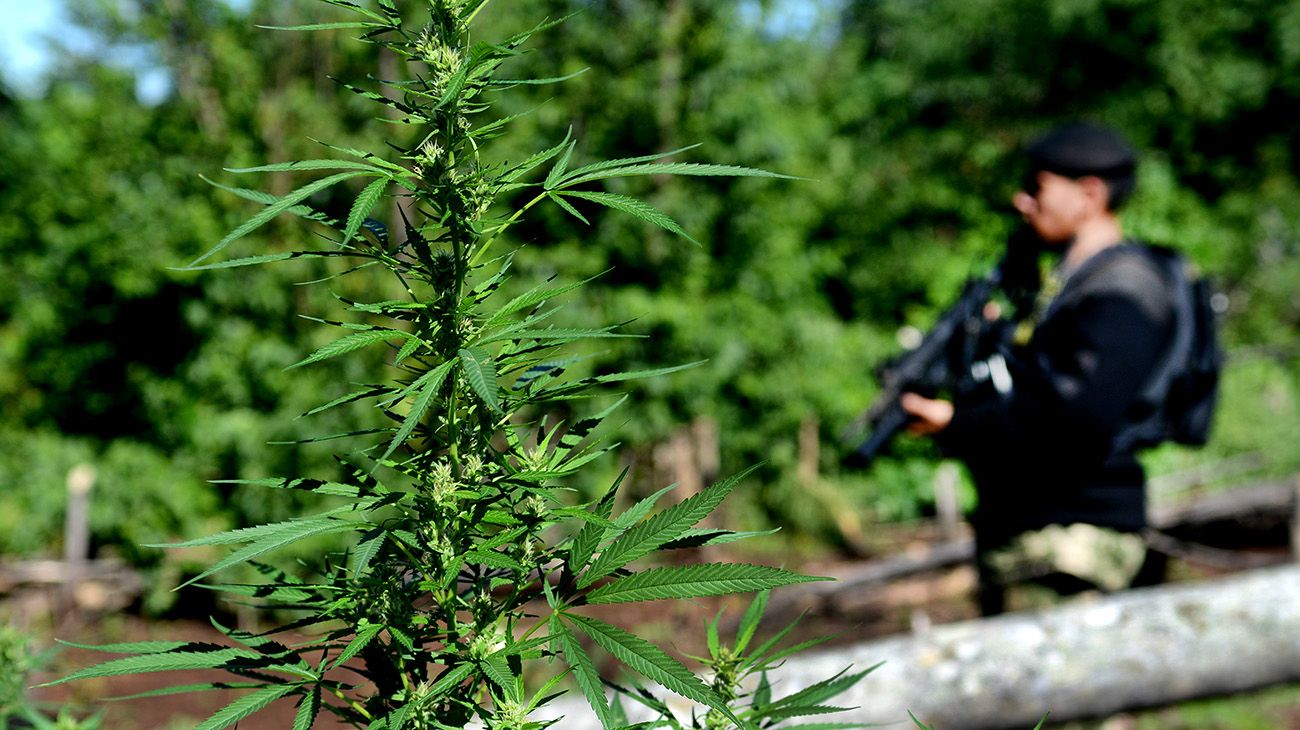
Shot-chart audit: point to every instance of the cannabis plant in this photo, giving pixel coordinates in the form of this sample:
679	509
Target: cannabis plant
732	667
469	559
18	662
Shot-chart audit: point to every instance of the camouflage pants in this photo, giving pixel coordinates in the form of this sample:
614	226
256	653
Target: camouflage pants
1078	555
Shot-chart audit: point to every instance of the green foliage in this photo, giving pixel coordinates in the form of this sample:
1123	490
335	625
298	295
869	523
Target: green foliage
739	676
906	126
18	662
458	525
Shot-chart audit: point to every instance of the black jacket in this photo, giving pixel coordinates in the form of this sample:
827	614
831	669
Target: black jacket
1044	452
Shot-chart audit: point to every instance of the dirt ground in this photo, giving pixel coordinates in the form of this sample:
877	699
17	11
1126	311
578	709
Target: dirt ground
936	597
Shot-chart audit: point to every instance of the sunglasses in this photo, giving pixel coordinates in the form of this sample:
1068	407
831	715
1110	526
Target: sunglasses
1029	184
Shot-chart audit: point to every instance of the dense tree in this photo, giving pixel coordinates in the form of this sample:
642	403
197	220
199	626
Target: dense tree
904	117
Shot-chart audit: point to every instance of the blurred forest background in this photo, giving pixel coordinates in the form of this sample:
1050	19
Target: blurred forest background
905	117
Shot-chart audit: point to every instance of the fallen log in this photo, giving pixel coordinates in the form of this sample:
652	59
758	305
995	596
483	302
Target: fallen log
95	585
1145	648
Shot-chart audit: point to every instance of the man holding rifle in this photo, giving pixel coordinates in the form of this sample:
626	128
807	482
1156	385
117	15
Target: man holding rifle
1061	494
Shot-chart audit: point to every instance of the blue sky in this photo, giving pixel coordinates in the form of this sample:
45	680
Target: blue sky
24	24
22	55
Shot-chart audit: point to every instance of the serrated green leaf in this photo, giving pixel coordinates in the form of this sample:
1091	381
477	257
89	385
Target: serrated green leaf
331	437
248	534
750	620
316	486
826	726
626	161
482	376
276	208
265	198
577	435
486	131
357	9
373	159
519	39
701	536
215	658
379	99
711	636
584	671
245	706
584	545
639	509
370	392
635	208
581	513
493	559
402	638
641	374
350	343
279	593
560	165
690	581
821	691
186	689
366	550
428	386
507	83
365	202
668	525
533	162
645	698
673	168
447	682
530	299
270	258
794	649
557	335
568	389
262	643
323	26
243	534
784	713
308	709
650	661
497	668
135	647
300	165
505	537
568	208
273	542
359	642
763	693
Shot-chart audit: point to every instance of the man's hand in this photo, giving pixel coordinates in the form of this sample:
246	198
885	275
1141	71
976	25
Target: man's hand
932	416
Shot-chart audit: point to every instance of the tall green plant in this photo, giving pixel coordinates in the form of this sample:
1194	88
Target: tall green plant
457	503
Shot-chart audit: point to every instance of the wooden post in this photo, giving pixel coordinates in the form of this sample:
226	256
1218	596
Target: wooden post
809	451
946	478
708	448
76	536
76	522
1295	523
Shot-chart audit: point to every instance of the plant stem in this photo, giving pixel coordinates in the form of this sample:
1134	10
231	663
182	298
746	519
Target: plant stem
478	254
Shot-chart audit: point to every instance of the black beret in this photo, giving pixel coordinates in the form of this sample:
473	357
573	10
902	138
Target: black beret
1077	149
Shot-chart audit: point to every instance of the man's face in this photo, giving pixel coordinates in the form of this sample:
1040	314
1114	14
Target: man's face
1058	206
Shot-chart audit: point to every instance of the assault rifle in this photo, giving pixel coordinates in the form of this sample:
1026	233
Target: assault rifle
958	354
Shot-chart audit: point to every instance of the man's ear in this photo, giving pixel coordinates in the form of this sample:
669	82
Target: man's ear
1096	190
